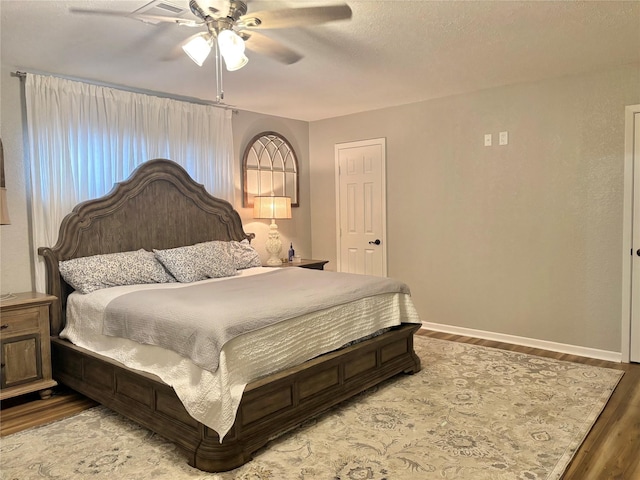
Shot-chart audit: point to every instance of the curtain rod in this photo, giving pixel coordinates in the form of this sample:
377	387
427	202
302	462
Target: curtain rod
21	75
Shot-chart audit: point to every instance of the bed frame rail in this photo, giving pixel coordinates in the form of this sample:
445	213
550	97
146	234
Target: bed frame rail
269	407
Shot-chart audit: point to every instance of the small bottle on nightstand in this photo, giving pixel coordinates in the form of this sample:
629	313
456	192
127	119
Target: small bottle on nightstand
291	253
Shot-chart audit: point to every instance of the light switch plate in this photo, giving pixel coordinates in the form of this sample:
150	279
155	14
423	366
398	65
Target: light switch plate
487	139
504	138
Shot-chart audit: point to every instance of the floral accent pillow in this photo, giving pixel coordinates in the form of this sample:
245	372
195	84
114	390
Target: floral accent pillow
244	255
199	261
88	274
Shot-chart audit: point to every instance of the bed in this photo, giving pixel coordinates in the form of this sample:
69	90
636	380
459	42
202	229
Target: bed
161	207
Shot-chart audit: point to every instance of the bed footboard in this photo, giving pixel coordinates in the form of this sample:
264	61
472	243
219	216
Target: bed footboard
270	406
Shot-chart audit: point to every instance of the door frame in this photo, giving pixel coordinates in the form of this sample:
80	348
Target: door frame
382	142
627	230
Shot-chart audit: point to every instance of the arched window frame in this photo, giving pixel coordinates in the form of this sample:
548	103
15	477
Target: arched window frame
270	167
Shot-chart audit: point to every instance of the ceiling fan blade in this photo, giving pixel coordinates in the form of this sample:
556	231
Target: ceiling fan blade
267	46
139	16
295	17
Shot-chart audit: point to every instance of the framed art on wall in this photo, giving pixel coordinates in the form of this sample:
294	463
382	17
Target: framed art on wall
270	167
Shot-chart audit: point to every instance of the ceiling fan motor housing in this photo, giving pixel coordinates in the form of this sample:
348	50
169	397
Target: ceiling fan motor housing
236	10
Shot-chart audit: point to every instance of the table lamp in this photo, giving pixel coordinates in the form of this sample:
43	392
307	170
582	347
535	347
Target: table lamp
272	207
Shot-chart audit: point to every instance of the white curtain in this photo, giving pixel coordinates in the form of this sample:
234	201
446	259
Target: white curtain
83	138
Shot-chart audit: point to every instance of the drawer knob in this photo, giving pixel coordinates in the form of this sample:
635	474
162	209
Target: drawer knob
2	327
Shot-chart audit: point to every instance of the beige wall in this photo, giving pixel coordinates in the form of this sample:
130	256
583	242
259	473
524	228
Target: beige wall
523	239
15	240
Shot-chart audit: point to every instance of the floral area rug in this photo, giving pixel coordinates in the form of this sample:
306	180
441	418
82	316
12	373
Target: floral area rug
471	413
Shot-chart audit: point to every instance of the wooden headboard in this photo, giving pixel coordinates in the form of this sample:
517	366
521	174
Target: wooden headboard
158	206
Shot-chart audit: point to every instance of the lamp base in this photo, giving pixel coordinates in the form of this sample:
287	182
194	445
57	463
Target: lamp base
274	245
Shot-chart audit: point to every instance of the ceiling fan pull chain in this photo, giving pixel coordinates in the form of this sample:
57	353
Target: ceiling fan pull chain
219	88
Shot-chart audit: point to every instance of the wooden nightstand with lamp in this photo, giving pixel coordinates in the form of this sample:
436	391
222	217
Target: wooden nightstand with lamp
25	351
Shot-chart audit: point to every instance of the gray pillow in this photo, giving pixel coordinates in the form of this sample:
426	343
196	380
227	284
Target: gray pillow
87	274
199	261
244	255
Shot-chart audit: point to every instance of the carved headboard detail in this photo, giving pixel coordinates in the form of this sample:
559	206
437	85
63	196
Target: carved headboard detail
158	206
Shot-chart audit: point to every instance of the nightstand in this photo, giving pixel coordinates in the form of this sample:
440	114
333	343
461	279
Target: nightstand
306	263
25	349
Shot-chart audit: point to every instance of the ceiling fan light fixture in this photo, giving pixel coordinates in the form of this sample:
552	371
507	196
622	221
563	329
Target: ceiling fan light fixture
232	50
236	63
198	49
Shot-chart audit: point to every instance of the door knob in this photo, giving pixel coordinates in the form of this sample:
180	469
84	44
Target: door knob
637	251
378	242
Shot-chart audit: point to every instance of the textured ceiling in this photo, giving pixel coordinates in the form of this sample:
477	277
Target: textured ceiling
389	53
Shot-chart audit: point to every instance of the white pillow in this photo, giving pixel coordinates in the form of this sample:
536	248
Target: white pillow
87	274
199	261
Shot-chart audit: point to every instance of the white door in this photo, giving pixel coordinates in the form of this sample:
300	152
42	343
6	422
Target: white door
361	207
635	264
631	238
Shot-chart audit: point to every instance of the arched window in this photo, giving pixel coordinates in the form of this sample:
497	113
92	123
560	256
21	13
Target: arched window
270	167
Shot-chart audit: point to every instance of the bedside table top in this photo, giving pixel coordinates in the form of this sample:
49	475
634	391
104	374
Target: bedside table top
26	298
304	263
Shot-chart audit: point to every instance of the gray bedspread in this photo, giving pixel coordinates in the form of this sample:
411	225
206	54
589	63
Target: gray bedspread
198	319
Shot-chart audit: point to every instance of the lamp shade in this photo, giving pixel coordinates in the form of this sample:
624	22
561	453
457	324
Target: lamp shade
271	207
4	210
232	50
198	48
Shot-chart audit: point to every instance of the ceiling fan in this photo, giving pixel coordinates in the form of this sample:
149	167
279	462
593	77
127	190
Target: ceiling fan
228	26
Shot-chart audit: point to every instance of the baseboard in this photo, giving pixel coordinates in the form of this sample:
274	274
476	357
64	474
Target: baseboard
526	342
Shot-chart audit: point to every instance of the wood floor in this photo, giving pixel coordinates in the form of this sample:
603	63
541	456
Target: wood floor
611	451
20	413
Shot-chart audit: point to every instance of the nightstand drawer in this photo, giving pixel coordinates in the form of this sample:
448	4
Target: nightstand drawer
25	351
19	321
17	356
